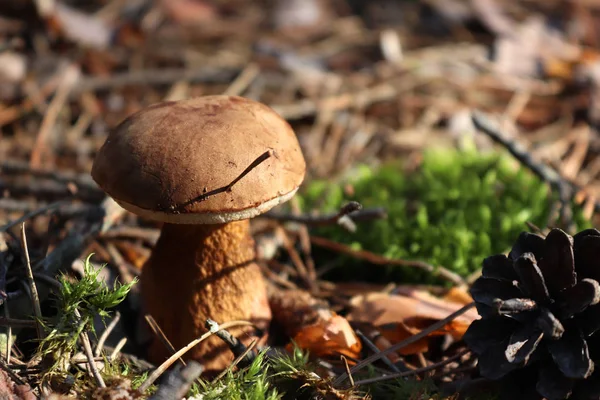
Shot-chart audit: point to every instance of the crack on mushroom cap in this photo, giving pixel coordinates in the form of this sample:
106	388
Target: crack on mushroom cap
166	153
207	218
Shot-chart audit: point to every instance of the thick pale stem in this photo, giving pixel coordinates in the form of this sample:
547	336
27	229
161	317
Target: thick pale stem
198	272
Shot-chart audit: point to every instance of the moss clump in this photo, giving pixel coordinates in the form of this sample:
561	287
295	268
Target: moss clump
78	303
281	377
457	208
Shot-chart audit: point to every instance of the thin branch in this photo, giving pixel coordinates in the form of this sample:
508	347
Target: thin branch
238	359
236	347
168	362
17	323
203	197
243	80
154	77
118	348
381	260
107	333
352	211
68	81
35	298
87	347
347	367
8	333
16	378
161	335
408	341
32	214
376	350
15	167
178	382
565	189
414	371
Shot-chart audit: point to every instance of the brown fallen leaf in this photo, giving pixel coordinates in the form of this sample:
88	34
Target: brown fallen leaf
312	325
77	26
189	11
10	390
329	337
399	316
534	43
134	254
458	295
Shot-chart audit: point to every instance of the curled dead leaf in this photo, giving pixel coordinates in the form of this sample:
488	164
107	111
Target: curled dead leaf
329	337
400	316
312	325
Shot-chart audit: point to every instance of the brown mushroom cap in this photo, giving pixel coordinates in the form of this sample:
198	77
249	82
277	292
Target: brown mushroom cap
164	156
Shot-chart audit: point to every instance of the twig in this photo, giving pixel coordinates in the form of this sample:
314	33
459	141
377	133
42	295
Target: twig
239	359
352	210
178	382
161	335
343	101
155	77
68	80
413	372
14	167
124	273
16	378
87	347
32	214
168	362
35	298
296	259
17	323
376	350
50	189
394	348
148	235
137	362
243	80
565	189
381	260
236	347
107	333
68	211
347	367
260	159
8	334
118	348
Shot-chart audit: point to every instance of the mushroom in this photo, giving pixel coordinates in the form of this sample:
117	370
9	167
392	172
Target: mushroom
203	167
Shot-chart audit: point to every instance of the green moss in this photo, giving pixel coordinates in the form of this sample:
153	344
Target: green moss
78	303
248	384
459	207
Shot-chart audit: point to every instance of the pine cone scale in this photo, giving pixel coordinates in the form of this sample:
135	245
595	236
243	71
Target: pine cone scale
531	277
557	262
523	342
571	355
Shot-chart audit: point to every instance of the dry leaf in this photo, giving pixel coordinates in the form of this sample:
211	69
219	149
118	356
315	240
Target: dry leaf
399	316
458	295
329	337
85	29
312	325
534	43
189	11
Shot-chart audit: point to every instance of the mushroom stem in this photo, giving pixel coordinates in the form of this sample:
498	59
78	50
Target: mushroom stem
198	272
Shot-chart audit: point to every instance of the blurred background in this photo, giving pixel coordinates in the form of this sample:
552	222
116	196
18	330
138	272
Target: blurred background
357	79
381	94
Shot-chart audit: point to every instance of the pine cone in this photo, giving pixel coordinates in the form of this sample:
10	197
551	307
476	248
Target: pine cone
539	314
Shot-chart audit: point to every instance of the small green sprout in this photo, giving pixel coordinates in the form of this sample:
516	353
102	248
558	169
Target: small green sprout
78	303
